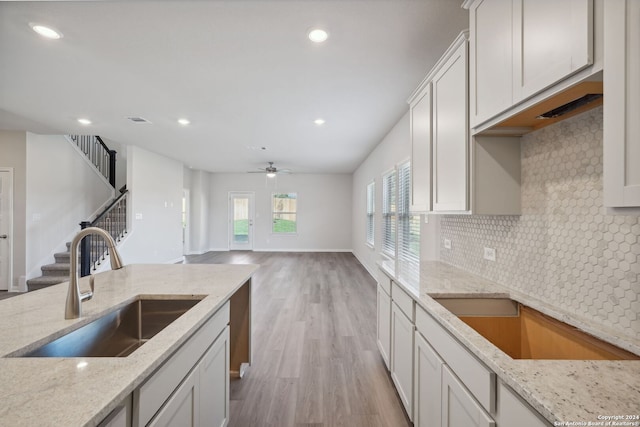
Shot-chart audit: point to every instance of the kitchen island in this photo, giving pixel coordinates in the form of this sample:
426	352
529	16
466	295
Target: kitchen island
84	391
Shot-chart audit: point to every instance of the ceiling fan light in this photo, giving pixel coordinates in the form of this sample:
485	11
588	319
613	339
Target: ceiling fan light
271	175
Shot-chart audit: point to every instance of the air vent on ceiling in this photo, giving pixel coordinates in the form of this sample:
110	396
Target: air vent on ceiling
138	119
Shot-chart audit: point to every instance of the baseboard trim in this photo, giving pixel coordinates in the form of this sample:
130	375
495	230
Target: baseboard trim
179	260
300	250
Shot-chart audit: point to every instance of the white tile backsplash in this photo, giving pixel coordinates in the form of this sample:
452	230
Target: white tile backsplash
564	248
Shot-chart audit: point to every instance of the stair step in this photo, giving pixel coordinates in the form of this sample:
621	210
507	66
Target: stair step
62	257
44	281
56	270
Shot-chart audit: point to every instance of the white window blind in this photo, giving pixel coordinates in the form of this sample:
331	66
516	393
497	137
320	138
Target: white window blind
408	225
389	214
371	210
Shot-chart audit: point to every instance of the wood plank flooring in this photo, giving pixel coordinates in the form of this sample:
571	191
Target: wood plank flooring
315	360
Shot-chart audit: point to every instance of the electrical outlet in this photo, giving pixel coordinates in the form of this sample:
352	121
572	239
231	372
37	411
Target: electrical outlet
490	254
447	243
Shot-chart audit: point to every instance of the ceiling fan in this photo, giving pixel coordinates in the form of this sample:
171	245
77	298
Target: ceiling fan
271	170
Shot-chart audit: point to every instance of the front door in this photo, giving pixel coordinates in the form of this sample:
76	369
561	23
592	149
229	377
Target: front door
240	221
6	216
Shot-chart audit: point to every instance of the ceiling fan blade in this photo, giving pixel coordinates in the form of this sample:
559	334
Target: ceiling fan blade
285	171
255	171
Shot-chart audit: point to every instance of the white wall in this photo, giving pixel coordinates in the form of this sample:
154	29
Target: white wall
394	148
155	186
13	154
324	211
199	194
62	191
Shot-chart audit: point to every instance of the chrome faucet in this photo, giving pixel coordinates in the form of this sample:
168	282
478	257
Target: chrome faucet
73	308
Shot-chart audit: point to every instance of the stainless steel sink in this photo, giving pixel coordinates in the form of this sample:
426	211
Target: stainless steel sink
118	333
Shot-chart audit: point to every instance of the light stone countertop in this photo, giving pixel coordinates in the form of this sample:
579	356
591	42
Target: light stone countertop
560	390
58	391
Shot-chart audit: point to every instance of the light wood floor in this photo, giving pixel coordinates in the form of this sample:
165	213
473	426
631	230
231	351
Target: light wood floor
315	360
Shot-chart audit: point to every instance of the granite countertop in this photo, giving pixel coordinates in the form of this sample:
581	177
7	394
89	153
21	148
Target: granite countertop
560	390
61	391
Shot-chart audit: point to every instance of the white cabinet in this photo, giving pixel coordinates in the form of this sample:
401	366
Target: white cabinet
402	356
384	324
427	370
520	48
192	387
621	136
420	125
214	383
552	40
451	131
491	58
183	407
119	417
459	408
513	411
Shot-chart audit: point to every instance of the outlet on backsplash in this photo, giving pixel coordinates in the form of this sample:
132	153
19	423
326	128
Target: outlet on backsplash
447	243
490	254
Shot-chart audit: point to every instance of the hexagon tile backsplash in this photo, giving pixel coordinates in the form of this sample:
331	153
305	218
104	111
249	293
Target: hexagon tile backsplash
564	249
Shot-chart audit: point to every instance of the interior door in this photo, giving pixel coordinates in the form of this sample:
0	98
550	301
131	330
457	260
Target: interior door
241	221
6	217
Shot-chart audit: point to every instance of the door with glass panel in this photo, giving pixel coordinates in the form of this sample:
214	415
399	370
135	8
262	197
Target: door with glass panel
241	220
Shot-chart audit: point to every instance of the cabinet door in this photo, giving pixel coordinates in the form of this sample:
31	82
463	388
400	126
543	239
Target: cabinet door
420	118
402	357
621	146
182	408
459	408
384	324
427	385
513	411
490	59
214	383
451	134
552	40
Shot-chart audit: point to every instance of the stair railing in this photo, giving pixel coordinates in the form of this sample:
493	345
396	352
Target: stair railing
103	158
113	219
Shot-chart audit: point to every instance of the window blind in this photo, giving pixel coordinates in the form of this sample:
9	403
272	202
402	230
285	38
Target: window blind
408	225
371	210
389	214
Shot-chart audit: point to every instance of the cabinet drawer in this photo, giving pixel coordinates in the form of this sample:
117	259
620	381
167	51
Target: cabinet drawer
149	397
384	281
403	301
476	377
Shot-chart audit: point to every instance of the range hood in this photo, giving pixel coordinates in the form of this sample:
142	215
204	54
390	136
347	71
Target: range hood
570	102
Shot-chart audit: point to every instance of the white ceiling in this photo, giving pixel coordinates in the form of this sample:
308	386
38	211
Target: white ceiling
243	71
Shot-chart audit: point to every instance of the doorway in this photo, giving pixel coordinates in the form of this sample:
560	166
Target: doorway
6	228
241	213
186	222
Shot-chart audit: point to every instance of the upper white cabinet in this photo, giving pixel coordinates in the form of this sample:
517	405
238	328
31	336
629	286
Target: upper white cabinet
420	119
519	48
621	146
451	172
552	39
451	131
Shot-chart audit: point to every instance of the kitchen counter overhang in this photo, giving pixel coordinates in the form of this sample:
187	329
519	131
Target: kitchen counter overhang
83	391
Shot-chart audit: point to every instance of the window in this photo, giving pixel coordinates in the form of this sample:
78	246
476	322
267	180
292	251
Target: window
389	214
371	210
408	225
284	209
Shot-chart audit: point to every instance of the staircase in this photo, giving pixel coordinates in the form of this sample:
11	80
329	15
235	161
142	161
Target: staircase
112	219
52	274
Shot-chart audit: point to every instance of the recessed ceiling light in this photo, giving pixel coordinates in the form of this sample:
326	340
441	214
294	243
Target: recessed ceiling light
84	121
319	122
47	32
317	35
183	122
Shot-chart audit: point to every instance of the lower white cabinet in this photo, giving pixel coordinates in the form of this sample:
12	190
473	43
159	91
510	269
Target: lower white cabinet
459	408
384	324
214	383
192	387
427	381
402	356
183	407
